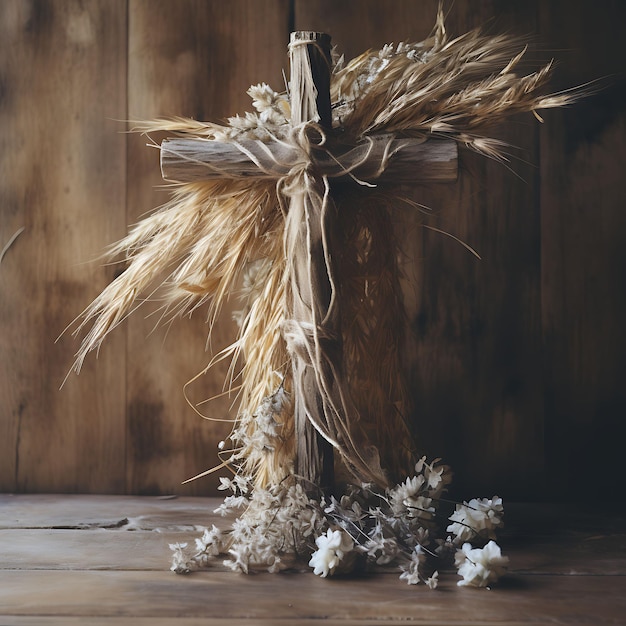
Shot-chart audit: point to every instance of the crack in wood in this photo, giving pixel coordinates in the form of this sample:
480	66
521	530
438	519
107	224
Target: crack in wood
119	524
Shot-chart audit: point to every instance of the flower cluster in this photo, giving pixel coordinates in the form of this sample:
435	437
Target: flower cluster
277	526
478	517
271	119
256	436
353	90
393	528
282	526
273	110
480	567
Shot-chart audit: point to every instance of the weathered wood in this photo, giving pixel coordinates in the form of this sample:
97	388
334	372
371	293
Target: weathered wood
380	160
196	59
567	567
473	325
82	550
310	287
477	357
564	599
41	620
96	511
583	228
68	532
63	180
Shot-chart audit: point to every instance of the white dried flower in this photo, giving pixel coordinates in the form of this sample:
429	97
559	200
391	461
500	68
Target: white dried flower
241	558
331	549
478	517
211	541
480	566
411	570
269	102
433	581
384	527
419	507
230	503
242	484
225	483
271	120
400	495
179	560
381	549
434	475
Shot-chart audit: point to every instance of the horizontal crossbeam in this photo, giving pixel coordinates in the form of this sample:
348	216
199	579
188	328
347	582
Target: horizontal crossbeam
380	159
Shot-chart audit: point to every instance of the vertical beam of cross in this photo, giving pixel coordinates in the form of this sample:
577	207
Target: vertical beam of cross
310	286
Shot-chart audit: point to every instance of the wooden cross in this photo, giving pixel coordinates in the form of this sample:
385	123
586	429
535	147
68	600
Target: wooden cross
319	393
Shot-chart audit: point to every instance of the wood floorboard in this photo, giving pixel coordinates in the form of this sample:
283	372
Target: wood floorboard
89	511
557	599
96	549
19	620
104	560
40	549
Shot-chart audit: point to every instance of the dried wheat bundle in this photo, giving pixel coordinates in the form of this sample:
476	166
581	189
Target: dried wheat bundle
216	238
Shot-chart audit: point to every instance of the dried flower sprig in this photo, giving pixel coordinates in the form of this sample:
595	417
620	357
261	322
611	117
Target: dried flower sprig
283	527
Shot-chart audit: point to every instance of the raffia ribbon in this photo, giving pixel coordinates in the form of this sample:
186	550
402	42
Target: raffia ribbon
312	328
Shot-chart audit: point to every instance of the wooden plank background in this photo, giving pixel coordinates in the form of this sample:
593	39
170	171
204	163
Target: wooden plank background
517	359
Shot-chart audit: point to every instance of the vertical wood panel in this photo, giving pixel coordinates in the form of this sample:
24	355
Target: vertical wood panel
479	344
476	324
584	257
534	328
197	59
63	180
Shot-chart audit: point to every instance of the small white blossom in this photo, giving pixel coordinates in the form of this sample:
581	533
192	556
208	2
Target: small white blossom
411	570
331	549
230	503
275	565
476	517
480	566
401	496
275	524
225	483
419	507
434	475
433	581
179	560
211	541
242	483
381	549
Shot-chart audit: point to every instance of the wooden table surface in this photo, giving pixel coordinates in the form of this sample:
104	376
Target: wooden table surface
104	560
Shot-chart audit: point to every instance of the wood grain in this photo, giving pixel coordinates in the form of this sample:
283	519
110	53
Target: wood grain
528	340
62	159
38	620
52	511
381	160
569	599
567	567
583	225
196	59
67	533
16	620
474	325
